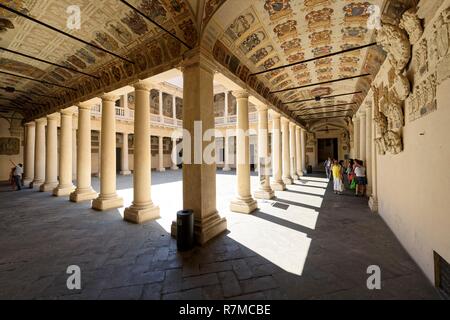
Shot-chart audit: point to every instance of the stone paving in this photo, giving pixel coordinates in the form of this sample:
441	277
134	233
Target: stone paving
319	247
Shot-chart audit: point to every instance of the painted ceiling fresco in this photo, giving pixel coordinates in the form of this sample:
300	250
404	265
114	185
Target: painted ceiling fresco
108	24
272	33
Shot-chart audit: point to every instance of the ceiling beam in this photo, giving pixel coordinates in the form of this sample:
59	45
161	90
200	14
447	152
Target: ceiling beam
23	15
326	106
155	23
48	62
321	118
316	58
320	83
324	112
318	98
37	80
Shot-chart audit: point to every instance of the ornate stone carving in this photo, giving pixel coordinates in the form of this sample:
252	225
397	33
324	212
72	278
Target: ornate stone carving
421	57
396	43
412	24
423	99
401	87
310	139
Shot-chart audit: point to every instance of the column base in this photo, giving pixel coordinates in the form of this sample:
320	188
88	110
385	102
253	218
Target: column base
63	190
83	195
295	177
103	203
125	173
243	206
299	174
161	169
140	214
174	168
264	194
27	183
36	183
373	204
47	187
226	169
278	186
288	180
205	229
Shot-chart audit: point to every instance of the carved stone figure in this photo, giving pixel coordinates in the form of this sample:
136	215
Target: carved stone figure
310	139
393	142
411	23
396	43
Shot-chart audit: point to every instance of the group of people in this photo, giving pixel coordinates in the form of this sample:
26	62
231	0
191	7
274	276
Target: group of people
350	173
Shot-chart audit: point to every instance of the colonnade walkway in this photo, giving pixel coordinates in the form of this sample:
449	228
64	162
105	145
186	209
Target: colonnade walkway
307	243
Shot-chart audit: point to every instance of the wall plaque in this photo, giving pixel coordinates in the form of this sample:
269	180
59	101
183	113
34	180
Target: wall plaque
9	146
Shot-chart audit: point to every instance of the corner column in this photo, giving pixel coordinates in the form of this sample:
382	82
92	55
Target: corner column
124	170
39	155
142	208
292	148
265	191
278	184
174	154
287	179
199	177
108	198
362	136
65	186
298	151
84	191
30	137
161	154
51	154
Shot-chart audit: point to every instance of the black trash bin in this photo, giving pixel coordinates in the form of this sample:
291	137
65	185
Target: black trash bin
309	170
185	230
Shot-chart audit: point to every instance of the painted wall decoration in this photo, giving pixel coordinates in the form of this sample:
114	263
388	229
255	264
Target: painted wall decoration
286	30
291	46
154	101
261	54
219	105
278	9
320	38
319	19
240	26
179	108
9	146
252	41
232	104
167	105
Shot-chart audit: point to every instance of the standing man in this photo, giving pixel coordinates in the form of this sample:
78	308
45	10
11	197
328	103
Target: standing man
17	175
327	165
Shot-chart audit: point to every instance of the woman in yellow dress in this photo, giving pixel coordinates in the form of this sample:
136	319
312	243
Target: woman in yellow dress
337	171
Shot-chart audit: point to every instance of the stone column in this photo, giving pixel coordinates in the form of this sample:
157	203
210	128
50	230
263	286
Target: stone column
278	184
125	170
65	186
174	154
30	137
373	201
39	154
108	198
226	152
161	154
84	191
368	137
142	208
74	153
298	151
362	136
303	148
287	178
292	150
244	203
199	177
265	191
51	154
356	133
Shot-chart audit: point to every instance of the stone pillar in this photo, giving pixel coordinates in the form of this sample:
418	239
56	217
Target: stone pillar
161	154
265	191
362	136
373	201
356	133
174	154
108	198
199	177
65	186
226	152
368	163
298	151
124	170
278	184
74	153
244	203
30	137
51	154
303	148
287	178
39	155
84	191
292	151
142	208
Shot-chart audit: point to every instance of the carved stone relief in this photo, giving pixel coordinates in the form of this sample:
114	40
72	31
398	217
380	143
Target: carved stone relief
395	42
422	101
412	25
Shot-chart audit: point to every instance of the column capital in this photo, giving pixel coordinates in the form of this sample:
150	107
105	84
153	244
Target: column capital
285	120
199	57
30	124
143	85
241	94
275	115
52	116
42	120
68	111
109	97
292	124
261	107
86	105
